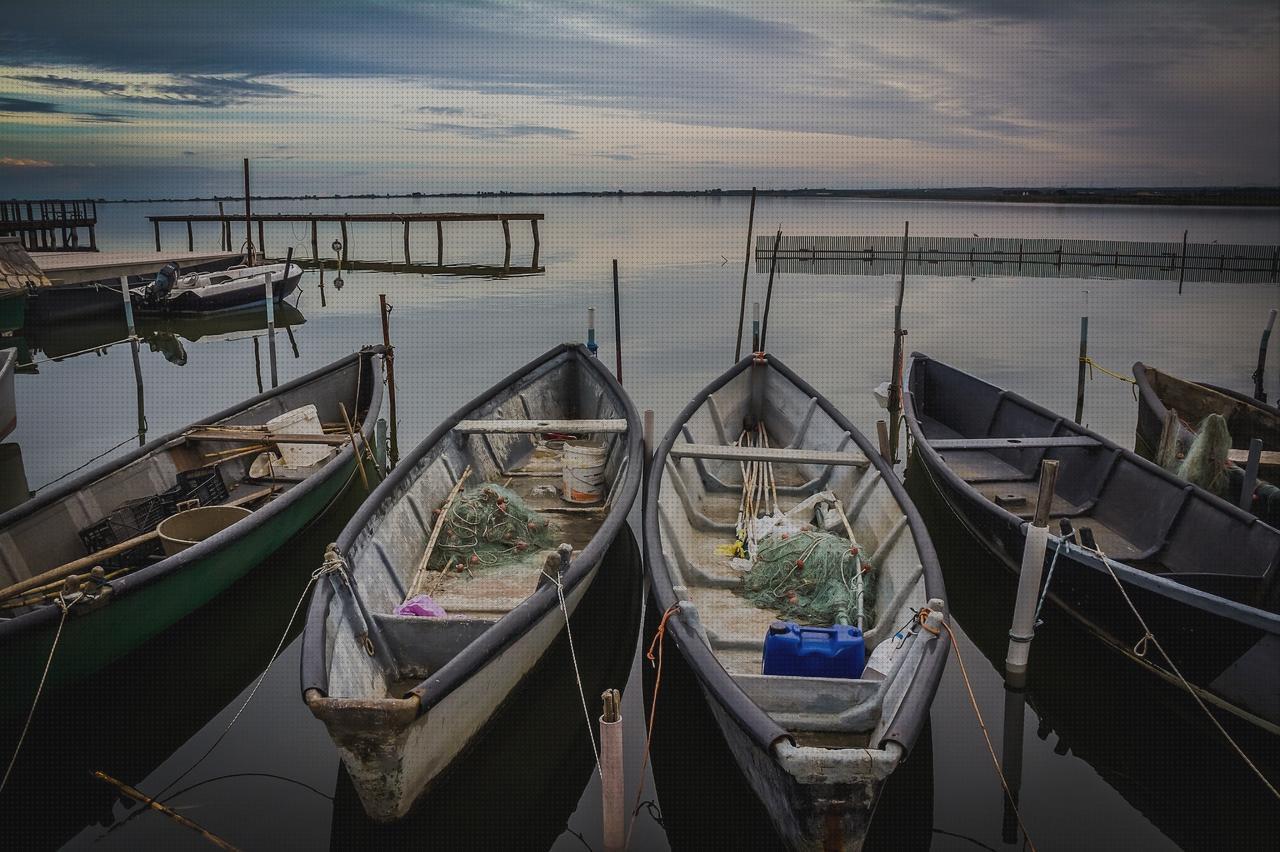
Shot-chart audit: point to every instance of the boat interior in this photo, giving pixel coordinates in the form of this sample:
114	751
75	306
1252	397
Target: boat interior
1138	514
1246	419
515	442
808	453
208	463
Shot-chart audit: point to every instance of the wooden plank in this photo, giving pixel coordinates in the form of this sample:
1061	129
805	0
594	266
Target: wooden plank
354	217
539	427
1013	443
768	454
234	437
1269	458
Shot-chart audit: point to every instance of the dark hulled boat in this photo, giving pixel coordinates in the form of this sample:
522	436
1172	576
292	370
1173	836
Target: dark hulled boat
815	750
1202	572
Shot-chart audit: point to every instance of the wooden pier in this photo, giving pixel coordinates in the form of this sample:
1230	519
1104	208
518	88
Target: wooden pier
64	269
1029	258
228	221
51	224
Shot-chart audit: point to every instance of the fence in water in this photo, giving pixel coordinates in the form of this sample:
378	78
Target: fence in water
1010	256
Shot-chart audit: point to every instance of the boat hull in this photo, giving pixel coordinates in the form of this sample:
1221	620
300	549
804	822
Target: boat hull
101	634
222	299
393	768
13	311
8	402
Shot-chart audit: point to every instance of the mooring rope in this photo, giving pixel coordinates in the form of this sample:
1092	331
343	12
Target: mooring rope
577	673
1148	636
48	663
106	452
659	638
973	702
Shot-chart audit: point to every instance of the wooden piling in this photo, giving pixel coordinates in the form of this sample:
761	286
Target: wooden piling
224	231
406	242
1083	366
746	267
157	224
882	435
617	323
1037	539
440	243
506	241
315	241
389	360
613	779
895	380
191	240
262	241
271	325
768	293
537	243
248	221
345	241
1259	392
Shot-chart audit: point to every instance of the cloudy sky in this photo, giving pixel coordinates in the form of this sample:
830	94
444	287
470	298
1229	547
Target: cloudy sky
146	98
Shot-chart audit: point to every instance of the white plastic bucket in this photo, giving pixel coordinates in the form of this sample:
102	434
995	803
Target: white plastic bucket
584	463
300	421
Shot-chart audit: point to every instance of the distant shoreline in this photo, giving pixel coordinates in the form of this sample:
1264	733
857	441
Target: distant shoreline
1158	196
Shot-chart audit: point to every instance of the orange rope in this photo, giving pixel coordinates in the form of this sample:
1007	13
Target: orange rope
658	640
973	701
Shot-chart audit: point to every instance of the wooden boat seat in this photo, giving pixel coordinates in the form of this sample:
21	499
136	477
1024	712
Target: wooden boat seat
1013	443
722	452
539	427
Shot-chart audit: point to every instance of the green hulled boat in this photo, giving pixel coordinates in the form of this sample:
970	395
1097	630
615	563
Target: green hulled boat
117	600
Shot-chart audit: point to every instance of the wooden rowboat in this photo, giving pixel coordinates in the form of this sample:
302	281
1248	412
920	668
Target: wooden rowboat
815	750
403	695
1202	572
115	609
8	405
1247	418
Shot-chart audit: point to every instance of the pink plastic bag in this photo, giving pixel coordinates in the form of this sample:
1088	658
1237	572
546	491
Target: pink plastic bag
421	605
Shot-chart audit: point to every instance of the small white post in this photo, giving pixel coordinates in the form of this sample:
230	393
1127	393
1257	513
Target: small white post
612	787
128	303
1033	552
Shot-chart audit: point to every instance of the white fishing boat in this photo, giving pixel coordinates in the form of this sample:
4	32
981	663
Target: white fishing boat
211	292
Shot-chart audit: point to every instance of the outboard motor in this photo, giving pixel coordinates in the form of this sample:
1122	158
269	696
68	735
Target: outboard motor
158	290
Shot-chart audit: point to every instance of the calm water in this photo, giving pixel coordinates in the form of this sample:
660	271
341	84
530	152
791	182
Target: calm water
1111	758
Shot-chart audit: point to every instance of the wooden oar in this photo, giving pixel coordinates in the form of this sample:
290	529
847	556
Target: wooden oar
355	447
418	576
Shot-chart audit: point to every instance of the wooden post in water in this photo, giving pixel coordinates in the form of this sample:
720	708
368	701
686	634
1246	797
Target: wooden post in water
271	325
390	361
895	380
617	323
262	241
1033	553
768	293
1014	723
746	267
248	220
506	239
315	242
613	779
191	240
1182	267
537	242
1259	392
1083	365
439	243
406	242
345	241
137	362
224	228
157	224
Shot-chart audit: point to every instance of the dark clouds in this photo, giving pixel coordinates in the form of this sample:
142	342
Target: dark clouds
182	89
500	133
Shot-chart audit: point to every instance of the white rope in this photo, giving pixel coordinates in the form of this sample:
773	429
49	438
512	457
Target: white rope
1147	635
65	607
577	674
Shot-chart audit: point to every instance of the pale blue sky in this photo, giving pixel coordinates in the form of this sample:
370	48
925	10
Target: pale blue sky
157	97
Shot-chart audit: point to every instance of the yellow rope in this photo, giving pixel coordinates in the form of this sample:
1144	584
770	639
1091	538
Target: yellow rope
1094	365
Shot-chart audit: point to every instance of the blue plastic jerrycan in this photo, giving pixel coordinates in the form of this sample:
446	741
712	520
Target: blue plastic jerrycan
790	649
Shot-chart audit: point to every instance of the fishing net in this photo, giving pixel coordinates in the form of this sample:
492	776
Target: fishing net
1206	461
810	576
490	525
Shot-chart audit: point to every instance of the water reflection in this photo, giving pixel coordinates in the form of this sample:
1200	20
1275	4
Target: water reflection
1144	737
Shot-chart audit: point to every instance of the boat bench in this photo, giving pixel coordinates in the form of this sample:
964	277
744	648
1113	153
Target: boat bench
539	427
989	444
722	452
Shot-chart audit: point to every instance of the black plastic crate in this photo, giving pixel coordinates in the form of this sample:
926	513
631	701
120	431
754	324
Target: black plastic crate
146	513
108	532
203	484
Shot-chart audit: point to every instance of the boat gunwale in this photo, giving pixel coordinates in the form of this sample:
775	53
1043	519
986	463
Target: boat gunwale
171	564
1151	397
506	630
1161	585
759	726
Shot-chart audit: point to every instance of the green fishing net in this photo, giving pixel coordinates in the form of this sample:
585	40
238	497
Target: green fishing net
489	525
809	576
1206	462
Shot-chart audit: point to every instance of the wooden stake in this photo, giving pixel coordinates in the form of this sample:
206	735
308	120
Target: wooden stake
420	574
1182	269
248	218
768	293
1080	375
355	446
144	799
746	267
882	434
617	323
895	380
406	242
1259	392
390	360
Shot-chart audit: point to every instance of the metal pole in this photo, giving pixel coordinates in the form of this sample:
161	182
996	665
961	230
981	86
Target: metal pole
1033	553
746	267
768	293
895	380
1080	375
612	787
1259	392
617	322
271	326
248	217
137	363
390	361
